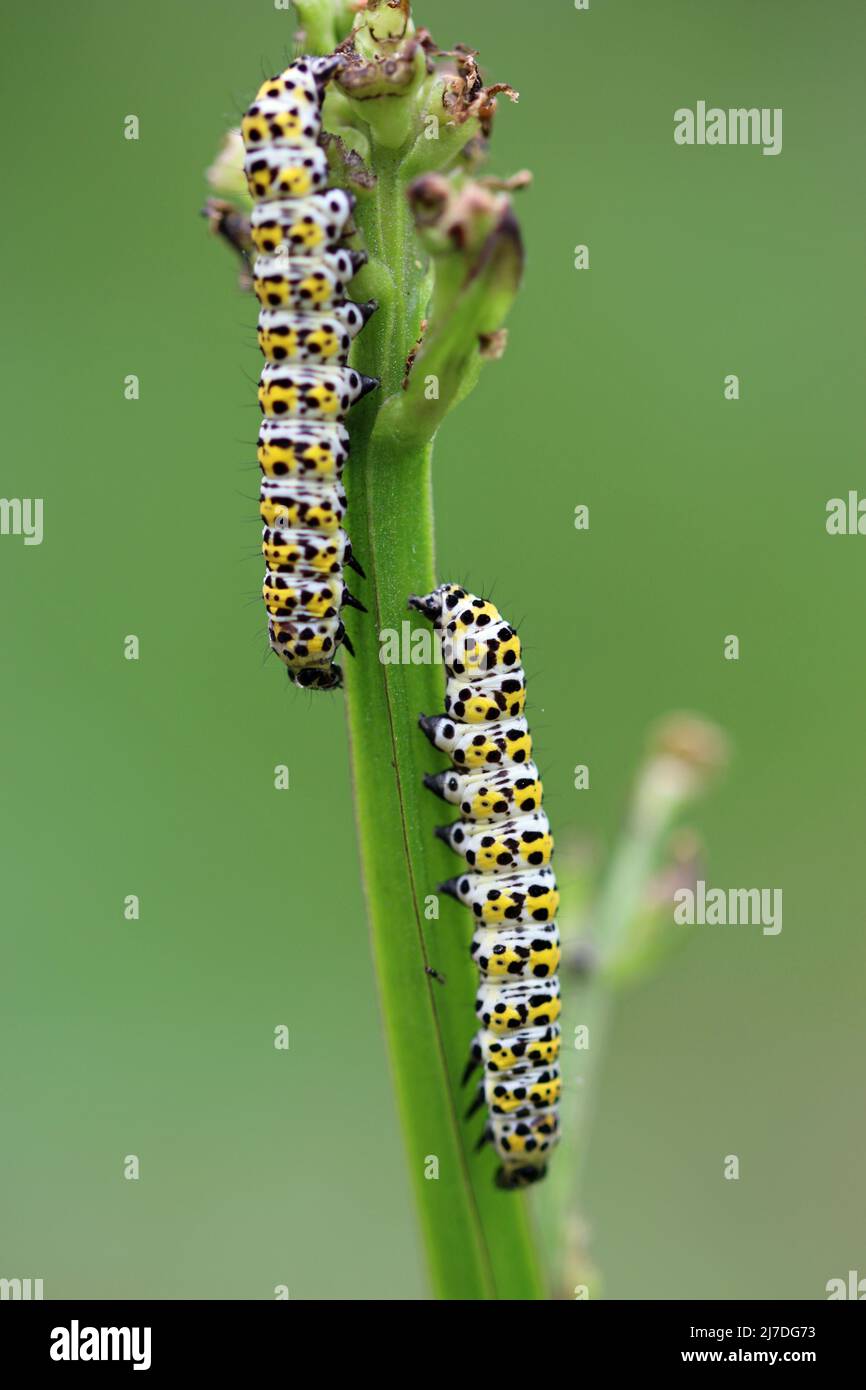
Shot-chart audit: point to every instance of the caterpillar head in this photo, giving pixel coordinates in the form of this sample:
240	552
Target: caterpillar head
428	605
321	70
302	81
307	650
317	678
453	605
510	1179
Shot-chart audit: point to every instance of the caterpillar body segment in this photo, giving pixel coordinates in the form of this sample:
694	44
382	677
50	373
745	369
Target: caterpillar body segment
309	450
521	1051
507	791
306	328
507	742
303	226
503	836
497	896
310	393
517	952
485	701
281	282
516	843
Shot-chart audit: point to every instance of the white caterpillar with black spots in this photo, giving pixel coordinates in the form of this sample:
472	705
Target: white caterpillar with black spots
306	328
504	837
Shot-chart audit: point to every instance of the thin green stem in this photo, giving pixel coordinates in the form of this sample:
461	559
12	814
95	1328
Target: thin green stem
591	1005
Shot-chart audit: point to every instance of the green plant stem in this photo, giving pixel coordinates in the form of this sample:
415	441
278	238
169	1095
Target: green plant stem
477	1237
319	19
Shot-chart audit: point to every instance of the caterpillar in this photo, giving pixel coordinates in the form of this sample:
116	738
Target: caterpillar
503	836
306	328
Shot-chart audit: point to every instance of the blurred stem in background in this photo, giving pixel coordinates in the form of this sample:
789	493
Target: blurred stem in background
616	941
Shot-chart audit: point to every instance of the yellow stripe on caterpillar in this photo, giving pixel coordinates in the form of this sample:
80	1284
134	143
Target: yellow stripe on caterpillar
522	1096
310	449
312	283
286	336
311	393
468	746
302	83
524	1145
300	227
484	701
531	950
270	122
300	599
494	847
505	1007
520	1052
473	653
290	171
305	550
514	898
490	795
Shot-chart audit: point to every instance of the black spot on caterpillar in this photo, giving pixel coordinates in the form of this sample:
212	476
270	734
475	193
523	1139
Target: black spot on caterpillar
504	837
306	329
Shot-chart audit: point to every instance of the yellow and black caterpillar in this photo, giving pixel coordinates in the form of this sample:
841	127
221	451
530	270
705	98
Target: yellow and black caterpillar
305	331
504	837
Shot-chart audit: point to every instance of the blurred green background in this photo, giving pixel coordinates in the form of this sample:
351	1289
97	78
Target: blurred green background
154	1037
